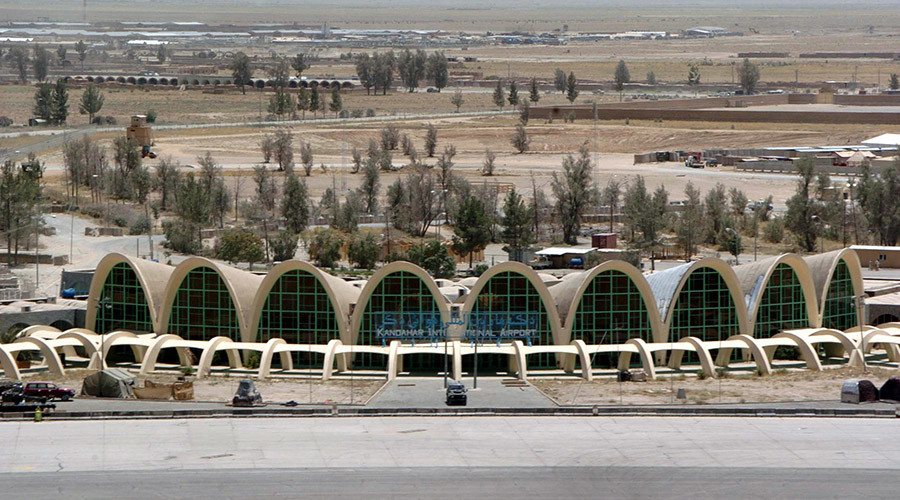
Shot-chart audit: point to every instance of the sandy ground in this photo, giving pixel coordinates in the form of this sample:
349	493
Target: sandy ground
746	387
221	388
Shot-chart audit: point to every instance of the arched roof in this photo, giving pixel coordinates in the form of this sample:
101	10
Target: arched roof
754	277
528	273
153	277
242	287
375	280
666	286
340	293
822	267
568	293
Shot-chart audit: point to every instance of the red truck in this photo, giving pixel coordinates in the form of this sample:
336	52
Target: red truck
47	390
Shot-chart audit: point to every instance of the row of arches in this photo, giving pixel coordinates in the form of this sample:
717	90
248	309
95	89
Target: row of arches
609	304
259	83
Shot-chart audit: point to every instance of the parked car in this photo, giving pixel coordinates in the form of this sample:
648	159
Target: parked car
456	394
432	90
47	390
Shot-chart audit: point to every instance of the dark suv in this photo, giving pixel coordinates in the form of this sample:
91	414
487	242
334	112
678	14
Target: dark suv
47	390
456	394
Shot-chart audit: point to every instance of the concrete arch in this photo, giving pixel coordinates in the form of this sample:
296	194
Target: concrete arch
174	81
148	364
292	84
822	267
153	81
61	324
528	273
99	79
195	82
141	81
668	302
314	83
206	82
268	352
90	78
121	79
8	363
241	285
259	84
51	357
334	84
340	294
163	81
42	331
754	278
152	276
109	341
304	84
759	355
568	296
227	82
89	340
204	367
645	354
699	347
347	85
362	301
132	80
270	83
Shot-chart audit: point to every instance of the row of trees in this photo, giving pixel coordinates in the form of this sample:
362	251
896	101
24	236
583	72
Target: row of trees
51	102
20	199
747	72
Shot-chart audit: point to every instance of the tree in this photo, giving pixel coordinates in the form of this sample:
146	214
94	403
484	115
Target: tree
651	78
802	206
411	67
438	71
420	199
325	247
895	82
520	140
499	94
534	94
306	157
365	70
434	258
645	214
265	187
59	111
280	72
430	140
734	243
879	202
518	233
457	99
281	103
91	102
363	250
284	245
513	94
41	63
472	231
337	103
487	167
748	75
689	223
571	87
20	61
295	206
241	70
371	184
81	48
166	180
384	65
524	112
390	138
299	64
61	51
20	197
738	201
303	101
610	197
162	53
314	100
559	80
240	245
283	150
621	77
43	102
574	191
714	204
693	74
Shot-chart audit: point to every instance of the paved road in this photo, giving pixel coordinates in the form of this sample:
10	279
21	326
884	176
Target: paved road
428	392
448	456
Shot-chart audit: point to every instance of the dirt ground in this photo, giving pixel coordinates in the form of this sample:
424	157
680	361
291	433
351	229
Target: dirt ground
222	389
782	385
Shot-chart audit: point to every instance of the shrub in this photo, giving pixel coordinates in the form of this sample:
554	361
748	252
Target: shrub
284	245
5	121
701	375
325	247
370	113
363	250
787	352
722	372
151	116
774	231
252	361
181	237
480	269
357	113
140	225
344	114
240	245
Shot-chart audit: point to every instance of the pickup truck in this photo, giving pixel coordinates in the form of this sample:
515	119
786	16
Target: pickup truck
47	390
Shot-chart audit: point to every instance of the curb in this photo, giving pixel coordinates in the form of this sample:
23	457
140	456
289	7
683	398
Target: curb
458	412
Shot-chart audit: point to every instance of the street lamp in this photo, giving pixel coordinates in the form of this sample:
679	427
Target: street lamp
859	323
818	220
104	303
734	246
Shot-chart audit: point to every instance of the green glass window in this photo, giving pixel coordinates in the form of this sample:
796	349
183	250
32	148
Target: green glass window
840	307
203	307
123	302
401	307
705	308
298	310
611	311
783	304
509	303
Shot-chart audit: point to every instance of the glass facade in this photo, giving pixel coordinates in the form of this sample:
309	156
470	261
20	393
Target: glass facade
509	307
401	307
203	307
704	309
611	311
840	307
123	305
783	304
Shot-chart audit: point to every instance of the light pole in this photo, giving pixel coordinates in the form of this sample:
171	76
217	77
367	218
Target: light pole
102	304
735	246
860	321
818	220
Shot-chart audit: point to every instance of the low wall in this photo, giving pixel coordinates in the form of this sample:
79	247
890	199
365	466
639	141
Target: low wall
29	258
710	115
788	167
867	100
